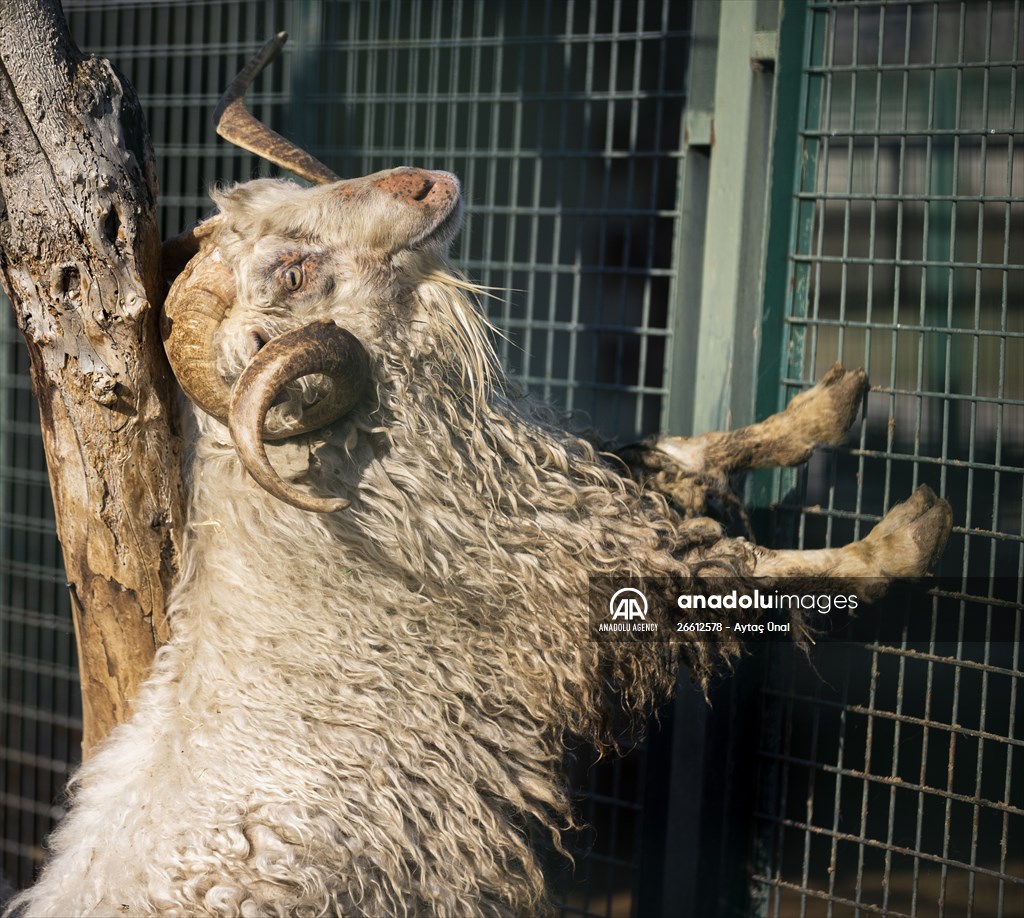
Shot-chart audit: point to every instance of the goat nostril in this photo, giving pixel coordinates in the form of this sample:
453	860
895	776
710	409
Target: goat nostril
424	191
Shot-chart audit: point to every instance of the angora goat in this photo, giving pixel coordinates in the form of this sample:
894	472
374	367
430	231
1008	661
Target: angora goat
380	632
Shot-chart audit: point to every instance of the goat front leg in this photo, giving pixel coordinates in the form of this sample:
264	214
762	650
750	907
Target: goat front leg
689	469
907	542
821	415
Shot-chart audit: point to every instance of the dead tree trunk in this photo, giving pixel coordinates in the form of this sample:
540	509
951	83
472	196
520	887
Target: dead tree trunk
80	260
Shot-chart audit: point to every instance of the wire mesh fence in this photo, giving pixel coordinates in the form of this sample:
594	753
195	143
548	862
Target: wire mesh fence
890	771
887	770
563	122
40	705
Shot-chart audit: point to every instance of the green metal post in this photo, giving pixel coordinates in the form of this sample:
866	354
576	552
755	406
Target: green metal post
696	143
728	196
790	221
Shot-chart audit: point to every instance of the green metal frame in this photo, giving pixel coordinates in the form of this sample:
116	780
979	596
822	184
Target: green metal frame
727	173
789	223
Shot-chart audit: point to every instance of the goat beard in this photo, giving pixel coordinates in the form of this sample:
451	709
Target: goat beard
479	497
473	500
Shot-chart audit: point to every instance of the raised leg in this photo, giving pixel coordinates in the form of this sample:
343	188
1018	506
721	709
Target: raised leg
906	543
821	415
689	470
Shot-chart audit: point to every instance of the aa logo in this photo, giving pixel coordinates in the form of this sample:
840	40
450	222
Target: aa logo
628	604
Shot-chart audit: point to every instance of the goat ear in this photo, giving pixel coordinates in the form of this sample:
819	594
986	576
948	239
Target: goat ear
248	207
209	227
177	252
236	202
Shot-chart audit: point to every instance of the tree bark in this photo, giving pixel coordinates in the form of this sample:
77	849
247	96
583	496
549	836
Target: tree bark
80	260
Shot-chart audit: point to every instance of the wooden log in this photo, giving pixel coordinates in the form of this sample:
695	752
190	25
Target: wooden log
80	261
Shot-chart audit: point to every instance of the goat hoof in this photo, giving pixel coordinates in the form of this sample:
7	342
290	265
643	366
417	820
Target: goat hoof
825	413
912	534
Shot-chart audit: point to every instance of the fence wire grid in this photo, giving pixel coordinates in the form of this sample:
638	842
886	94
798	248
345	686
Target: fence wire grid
562	121
889	774
892	774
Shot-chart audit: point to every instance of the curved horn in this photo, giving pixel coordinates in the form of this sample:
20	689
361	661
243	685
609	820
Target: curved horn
319	347
235	124
195	306
203	293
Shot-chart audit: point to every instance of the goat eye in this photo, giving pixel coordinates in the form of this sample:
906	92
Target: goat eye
293	277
